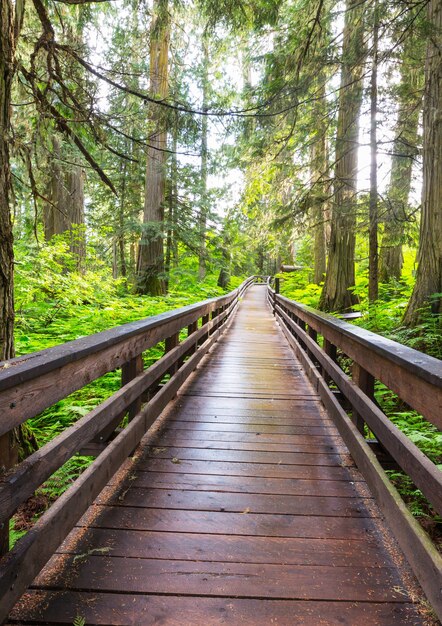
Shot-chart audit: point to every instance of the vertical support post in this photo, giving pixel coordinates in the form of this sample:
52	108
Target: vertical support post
205	319
331	351
170	343
302	326
314	335
277	287
8	458
130	370
215	313
365	381
192	328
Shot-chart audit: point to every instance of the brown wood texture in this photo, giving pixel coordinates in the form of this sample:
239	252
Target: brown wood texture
417	546
30	554
414	376
421	470
31	383
18	485
244	508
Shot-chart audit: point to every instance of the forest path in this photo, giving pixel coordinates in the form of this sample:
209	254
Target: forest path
245	508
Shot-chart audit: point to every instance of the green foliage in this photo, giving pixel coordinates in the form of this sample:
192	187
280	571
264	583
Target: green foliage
296	286
55	304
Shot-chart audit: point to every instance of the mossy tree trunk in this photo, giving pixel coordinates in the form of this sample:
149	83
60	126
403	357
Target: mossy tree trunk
9	27
340	276
428	286
65	209
318	193
204	209
15	443
150	261
373	250
404	152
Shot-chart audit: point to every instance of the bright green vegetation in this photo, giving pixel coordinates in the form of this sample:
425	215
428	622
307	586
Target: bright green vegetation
55	306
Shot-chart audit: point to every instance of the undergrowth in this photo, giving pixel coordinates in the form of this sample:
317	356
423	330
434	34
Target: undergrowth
55	304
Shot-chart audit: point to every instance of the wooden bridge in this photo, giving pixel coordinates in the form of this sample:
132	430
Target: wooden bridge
253	497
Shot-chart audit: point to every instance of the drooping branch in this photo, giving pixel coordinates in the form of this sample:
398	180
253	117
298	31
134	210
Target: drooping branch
63	125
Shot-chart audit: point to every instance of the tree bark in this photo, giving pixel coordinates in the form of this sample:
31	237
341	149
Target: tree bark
171	247
202	222
150	262
65	211
373	282
11	15
120	227
319	167
404	152
340	277
75	182
429	271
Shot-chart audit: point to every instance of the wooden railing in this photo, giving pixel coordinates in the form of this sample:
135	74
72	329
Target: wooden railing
32	383
416	378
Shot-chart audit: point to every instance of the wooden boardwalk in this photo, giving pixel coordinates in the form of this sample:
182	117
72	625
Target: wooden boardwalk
245	508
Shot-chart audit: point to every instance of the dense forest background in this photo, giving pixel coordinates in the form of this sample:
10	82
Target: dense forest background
155	152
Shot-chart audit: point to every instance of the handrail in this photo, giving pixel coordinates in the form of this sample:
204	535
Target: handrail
380	356
34	382
415	377
67	361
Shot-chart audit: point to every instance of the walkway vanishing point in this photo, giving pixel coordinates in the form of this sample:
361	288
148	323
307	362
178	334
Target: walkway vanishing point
243	507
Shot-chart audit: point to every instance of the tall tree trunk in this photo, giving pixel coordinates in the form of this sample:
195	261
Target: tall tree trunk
11	15
373	286
150	262
120	225
75	183
319	167
202	222
404	152
429	271
65	211
173	198
56	214
340	275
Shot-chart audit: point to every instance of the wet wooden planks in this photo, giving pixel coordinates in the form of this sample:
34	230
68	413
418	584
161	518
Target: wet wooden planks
246	509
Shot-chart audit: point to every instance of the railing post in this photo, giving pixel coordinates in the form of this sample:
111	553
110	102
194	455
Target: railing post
204	321
170	343
276	292
8	458
130	370
314	335
331	351
365	381
192	328
215	313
